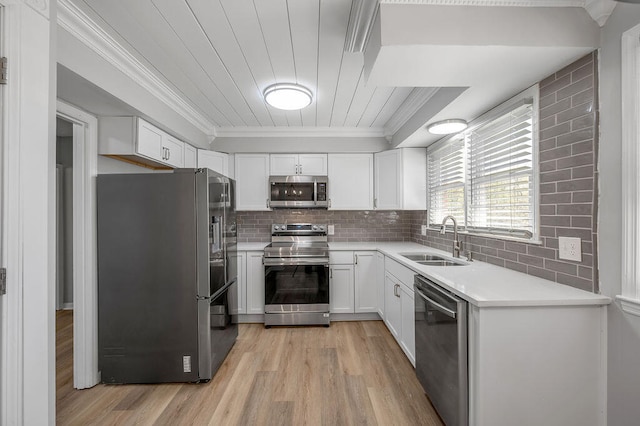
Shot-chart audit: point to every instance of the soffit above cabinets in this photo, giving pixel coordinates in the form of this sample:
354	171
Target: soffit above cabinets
218	56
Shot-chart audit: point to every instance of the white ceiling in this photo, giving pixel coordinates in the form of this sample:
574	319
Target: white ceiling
219	55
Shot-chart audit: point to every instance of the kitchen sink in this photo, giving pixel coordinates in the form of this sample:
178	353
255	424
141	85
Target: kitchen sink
440	263
423	257
431	259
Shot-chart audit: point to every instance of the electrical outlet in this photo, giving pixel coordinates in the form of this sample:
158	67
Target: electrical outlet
570	248
423	229
331	229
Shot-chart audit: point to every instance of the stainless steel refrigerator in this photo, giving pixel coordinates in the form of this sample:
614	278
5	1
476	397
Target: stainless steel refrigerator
166	275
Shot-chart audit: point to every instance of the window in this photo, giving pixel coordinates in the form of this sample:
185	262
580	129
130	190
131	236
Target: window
486	176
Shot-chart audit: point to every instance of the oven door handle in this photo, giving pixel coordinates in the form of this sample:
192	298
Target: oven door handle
285	261
448	312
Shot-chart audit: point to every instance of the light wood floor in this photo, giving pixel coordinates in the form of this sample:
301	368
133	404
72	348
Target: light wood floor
349	373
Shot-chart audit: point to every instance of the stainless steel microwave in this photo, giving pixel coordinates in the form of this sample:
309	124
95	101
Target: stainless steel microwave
298	192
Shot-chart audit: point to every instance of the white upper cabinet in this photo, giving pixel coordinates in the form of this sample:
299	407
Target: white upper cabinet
401	179
252	181
173	151
190	156
350	181
133	139
298	164
149	139
216	161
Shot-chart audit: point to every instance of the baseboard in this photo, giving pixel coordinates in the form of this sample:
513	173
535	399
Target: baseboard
368	316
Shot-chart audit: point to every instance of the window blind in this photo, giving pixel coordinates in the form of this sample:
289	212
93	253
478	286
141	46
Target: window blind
500	174
446	181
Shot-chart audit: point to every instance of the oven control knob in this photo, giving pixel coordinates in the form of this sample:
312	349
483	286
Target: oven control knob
315	227
276	227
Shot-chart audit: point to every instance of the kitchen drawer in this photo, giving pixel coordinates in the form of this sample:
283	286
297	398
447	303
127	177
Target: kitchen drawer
402	273
341	257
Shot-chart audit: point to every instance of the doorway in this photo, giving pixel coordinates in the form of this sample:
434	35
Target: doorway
76	289
64	214
64	255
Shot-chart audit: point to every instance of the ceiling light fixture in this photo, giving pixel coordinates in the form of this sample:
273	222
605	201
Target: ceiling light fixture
287	96
446	127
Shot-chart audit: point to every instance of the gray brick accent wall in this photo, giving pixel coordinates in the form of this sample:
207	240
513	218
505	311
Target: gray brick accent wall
568	185
349	225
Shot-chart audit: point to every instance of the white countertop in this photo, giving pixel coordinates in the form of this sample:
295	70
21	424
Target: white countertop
251	246
480	283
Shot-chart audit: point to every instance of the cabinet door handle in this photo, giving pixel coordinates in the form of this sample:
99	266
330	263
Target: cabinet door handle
356	259
267	203
329	202
331	273
300	165
168	154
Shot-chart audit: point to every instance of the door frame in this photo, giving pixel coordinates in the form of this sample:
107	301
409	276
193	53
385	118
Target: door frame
27	363
85	288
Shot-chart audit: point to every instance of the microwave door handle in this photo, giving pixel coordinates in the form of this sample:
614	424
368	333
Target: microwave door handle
315	191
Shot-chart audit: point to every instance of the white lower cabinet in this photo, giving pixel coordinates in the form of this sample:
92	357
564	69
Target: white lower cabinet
341	289
399	307
380	283
408	325
255	283
366	294
238	302
530	365
392	306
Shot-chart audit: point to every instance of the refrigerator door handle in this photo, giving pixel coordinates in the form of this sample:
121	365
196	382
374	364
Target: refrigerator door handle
223	289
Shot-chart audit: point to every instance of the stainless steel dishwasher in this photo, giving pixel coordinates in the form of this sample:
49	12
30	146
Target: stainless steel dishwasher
441	350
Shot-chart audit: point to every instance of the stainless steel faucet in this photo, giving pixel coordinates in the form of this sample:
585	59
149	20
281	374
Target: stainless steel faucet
456	243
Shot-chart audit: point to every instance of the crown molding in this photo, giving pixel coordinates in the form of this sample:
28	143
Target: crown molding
489	3
598	9
299	132
81	26
416	99
363	14
40	6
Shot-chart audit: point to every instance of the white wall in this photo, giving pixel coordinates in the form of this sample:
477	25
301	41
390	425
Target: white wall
299	144
624	329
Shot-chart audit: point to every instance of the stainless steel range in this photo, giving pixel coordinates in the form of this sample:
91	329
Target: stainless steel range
297	275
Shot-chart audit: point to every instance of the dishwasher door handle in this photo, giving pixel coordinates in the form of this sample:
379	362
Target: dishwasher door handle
448	312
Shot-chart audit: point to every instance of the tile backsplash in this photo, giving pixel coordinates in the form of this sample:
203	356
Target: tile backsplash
349	225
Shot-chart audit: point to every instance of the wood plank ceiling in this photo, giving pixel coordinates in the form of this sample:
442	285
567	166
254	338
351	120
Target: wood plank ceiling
220	55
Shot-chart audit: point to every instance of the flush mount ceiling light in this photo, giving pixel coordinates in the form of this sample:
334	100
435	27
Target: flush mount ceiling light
446	127
287	96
